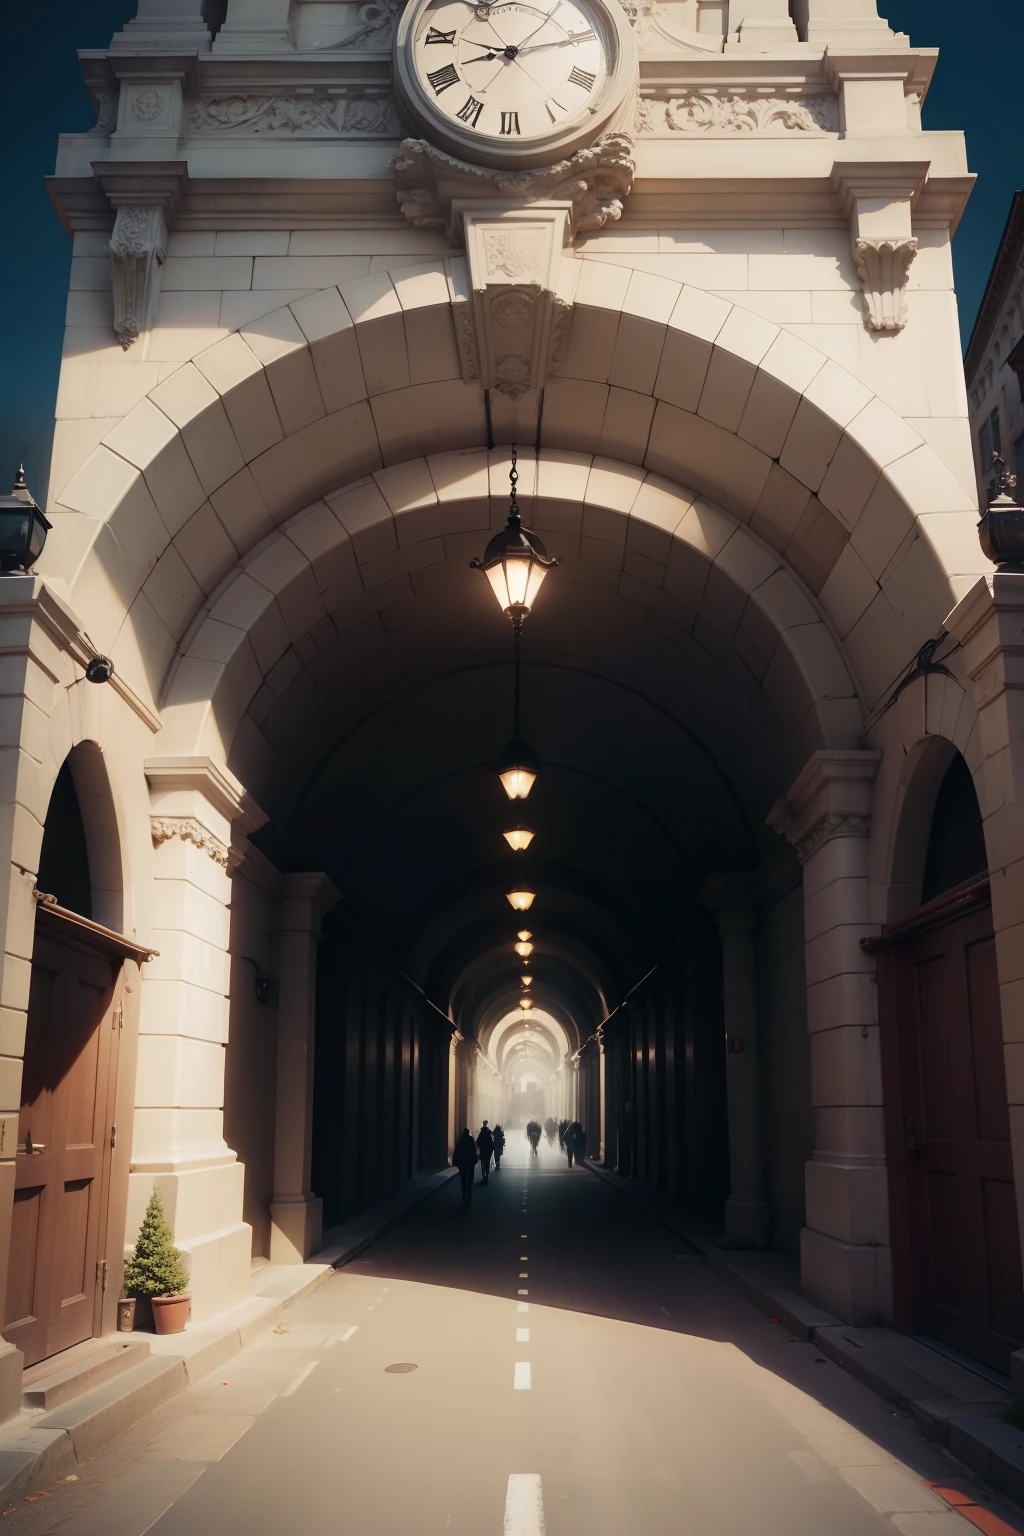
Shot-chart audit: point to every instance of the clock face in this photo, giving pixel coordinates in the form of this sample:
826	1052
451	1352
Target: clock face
514	74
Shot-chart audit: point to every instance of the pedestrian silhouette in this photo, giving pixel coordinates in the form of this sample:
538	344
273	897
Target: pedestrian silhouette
485	1147
465	1159
533	1134
550	1128
499	1146
563	1126
575	1142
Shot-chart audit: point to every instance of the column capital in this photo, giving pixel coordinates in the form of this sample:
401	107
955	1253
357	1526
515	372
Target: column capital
729	897
305	901
987	622
831	797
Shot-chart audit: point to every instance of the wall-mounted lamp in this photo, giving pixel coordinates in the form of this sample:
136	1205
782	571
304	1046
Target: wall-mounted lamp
264	987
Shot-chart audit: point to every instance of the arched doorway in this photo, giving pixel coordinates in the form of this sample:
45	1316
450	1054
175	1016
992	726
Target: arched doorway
77	1087
956	1254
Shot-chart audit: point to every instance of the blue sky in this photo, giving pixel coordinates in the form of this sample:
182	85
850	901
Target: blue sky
976	88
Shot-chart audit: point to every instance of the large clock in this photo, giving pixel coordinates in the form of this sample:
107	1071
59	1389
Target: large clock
513	82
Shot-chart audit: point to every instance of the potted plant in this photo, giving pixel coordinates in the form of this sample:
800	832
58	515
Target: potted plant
155	1270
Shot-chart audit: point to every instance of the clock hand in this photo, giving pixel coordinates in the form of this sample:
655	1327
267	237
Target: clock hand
573	37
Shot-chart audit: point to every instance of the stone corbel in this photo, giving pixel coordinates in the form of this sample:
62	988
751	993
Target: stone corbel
145	197
878	200
433	188
510	320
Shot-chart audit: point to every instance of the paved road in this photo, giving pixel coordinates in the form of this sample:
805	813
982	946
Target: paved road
576	1373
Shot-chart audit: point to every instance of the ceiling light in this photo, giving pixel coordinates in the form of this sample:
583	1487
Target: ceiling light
517	767
524	1002
527	981
524	933
519	838
524	950
515	561
521	897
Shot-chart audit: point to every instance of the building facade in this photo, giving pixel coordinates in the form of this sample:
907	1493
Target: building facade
330	263
994	363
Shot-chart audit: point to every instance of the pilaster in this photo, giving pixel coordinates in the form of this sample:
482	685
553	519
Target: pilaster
179	1119
163	24
296	1215
729	897
845	1253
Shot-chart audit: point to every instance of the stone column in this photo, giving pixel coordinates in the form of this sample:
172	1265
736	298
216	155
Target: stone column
845	1257
256	26
37	632
760	26
296	1215
178	1143
730	898
465	1087
828	23
989	623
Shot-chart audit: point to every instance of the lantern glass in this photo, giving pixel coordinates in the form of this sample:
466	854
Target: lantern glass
524	933
524	949
517	782
527	981
519	838
524	1003
521	899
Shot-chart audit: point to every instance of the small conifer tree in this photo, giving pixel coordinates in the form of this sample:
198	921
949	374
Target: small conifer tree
155	1268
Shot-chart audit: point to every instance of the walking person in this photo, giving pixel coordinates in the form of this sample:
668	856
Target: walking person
499	1146
465	1159
533	1135
485	1147
575	1142
550	1129
563	1126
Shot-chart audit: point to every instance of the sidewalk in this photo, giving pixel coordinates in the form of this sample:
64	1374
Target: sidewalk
39	1447
950	1402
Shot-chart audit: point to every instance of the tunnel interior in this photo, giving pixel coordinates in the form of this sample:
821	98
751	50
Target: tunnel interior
659	762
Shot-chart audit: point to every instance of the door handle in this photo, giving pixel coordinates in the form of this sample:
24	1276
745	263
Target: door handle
910	1140
33	1146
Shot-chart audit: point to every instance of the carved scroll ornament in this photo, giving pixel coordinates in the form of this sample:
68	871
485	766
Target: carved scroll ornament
883	266
164	828
138	246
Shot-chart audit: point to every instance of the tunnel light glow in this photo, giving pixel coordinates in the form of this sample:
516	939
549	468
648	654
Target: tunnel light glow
524	933
524	950
527	981
521	898
519	838
517	767
524	1002
517	782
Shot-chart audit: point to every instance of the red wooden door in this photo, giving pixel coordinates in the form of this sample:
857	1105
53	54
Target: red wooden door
63	1157
956	1242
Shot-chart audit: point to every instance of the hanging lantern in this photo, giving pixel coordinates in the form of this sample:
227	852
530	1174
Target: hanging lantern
517	767
23	529
515	561
519	838
522	897
524	1002
527	981
524	949
524	933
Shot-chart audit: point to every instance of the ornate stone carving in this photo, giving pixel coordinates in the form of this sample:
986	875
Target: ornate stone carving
138	246
149	105
832	824
341	115
594	182
699	112
883	265
189	831
106	112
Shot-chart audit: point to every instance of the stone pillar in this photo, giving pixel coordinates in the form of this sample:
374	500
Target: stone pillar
730	898
296	1215
846	23
178	1144
845	1256
256	26
465	1087
37	632
760	26
989	623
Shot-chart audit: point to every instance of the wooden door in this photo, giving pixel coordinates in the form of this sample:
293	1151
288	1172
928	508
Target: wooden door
65	1134
954	1212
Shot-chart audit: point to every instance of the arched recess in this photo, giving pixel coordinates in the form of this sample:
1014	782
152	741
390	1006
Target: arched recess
349	381
82	808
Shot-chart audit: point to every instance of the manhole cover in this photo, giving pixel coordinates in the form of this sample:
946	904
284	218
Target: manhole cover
400	1369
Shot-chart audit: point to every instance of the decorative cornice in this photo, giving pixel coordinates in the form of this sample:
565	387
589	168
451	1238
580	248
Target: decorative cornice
832	797
342	113
883	265
188	830
217	785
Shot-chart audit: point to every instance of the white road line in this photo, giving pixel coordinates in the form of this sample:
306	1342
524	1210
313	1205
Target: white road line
307	1370
522	1335
521	1380
524	1505
524	1306
348	1333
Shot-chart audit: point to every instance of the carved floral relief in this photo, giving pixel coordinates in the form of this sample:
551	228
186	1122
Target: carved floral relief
354	115
707	112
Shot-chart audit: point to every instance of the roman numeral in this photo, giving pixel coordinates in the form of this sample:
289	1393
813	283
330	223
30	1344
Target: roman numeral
441	79
510	122
581	78
470	111
434	36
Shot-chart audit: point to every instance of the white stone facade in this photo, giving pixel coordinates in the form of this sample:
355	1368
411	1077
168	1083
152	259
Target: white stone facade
755	437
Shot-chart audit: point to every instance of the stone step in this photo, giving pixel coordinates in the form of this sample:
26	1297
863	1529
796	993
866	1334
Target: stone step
57	1381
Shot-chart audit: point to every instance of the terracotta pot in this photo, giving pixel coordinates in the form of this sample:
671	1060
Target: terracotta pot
170	1313
126	1314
